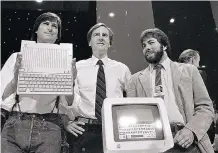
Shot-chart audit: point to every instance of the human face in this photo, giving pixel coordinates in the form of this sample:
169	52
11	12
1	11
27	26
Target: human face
47	32
152	50
100	42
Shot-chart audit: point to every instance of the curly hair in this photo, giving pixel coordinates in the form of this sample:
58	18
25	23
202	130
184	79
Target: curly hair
157	34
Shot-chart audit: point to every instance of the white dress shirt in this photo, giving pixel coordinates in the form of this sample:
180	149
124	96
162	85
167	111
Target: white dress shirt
29	103
117	76
173	112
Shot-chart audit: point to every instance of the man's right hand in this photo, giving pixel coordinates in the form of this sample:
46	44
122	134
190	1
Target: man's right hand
75	128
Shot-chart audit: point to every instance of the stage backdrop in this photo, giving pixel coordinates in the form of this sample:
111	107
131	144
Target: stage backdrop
127	19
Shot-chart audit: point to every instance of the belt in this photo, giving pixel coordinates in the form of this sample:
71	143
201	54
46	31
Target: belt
47	116
89	120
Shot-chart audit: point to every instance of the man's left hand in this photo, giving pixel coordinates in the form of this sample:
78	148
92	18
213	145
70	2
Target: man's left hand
184	137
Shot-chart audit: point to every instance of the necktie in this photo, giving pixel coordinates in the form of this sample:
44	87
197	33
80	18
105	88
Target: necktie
158	84
100	90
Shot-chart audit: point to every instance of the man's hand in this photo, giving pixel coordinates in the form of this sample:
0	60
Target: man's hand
74	127
184	137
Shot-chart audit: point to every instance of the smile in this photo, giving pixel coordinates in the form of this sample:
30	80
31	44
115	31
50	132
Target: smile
149	53
49	33
100	43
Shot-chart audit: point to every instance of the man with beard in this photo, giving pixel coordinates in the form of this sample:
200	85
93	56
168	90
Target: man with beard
188	104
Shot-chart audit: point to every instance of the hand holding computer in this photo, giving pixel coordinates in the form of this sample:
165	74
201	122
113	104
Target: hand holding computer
184	138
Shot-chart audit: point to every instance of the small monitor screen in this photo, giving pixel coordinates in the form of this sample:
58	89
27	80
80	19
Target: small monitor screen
137	122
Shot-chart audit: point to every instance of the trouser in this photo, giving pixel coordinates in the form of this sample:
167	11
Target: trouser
89	142
4	116
177	149
31	133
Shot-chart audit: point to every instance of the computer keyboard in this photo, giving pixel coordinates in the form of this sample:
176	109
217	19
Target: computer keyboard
46	69
33	83
137	131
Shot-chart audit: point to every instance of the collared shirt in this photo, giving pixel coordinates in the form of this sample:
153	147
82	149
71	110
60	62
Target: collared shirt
29	103
117	76
169	95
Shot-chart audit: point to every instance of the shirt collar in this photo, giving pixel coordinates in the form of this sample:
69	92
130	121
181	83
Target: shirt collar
165	62
95	60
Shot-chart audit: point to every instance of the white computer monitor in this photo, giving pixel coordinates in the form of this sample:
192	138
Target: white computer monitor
135	125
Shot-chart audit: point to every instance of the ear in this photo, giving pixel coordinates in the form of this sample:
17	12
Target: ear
164	48
192	60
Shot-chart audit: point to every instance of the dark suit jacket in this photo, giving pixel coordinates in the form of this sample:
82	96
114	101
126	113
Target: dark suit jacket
191	96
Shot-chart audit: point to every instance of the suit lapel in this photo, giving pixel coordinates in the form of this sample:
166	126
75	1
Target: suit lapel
176	75
145	81
176	79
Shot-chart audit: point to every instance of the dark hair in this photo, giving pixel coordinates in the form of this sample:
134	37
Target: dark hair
159	35
89	34
44	17
187	54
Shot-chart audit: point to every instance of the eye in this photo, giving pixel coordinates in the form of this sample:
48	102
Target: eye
46	23
150	42
55	26
96	34
143	45
105	35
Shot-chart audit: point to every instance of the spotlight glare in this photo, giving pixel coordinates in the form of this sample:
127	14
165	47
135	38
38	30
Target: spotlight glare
111	14
158	124
172	20
127	120
39	1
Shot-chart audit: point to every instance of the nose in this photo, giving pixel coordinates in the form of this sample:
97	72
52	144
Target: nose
147	48
49	27
100	38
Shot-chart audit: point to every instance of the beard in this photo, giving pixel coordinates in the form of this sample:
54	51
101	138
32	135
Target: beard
154	59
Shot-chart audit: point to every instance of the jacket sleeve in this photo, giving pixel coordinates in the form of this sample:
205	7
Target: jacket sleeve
203	107
131	88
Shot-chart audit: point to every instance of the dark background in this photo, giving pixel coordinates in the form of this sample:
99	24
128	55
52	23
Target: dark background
18	18
194	28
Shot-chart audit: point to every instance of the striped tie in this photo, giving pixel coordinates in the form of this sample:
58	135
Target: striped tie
100	90
158	83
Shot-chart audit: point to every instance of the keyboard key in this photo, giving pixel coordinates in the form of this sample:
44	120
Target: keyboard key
22	89
22	85
43	90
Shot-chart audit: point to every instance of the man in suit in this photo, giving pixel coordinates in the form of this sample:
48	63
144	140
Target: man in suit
188	104
191	56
